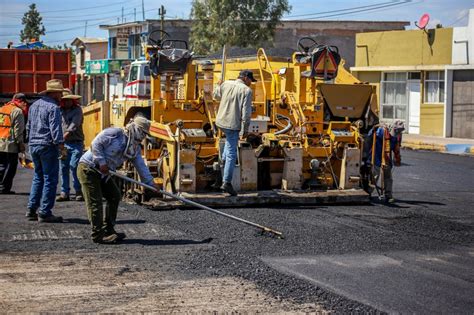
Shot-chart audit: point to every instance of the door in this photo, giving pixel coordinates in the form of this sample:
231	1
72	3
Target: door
463	104
414	100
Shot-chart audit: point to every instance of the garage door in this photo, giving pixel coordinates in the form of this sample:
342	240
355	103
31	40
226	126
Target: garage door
463	104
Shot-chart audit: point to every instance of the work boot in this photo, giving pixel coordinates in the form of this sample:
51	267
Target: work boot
79	196
62	197
31	215
227	187
120	236
106	239
217	184
50	219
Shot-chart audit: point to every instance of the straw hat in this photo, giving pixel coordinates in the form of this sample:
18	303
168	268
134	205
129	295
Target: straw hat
54	85
67	94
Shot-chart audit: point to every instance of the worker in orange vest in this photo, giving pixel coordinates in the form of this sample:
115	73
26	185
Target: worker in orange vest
12	129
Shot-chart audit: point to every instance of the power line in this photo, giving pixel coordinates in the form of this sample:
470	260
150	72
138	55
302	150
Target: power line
75	9
464	15
87	15
392	5
340	10
76	27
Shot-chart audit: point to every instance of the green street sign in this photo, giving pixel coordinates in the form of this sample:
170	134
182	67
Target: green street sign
103	66
100	66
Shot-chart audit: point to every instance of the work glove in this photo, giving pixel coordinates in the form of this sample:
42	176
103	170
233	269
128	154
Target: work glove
62	153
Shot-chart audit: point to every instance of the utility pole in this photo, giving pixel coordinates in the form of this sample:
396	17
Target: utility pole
122	14
162	12
134	14
143	10
85	30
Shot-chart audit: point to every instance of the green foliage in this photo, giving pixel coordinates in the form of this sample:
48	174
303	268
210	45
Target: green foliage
33	25
243	23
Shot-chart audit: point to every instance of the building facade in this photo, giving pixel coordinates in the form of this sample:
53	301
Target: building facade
423	77
86	48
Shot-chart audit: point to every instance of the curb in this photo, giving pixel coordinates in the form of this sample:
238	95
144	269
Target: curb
444	148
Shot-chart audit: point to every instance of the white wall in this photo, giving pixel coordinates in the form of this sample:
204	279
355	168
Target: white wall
463	42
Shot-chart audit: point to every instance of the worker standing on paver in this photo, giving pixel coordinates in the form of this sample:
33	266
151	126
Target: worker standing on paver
109	150
233	118
12	129
46	142
72	119
384	150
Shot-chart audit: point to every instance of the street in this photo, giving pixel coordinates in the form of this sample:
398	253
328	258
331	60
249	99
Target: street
415	256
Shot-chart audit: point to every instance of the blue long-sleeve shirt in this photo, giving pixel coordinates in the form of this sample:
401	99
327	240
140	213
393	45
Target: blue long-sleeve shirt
379	134
108	148
44	126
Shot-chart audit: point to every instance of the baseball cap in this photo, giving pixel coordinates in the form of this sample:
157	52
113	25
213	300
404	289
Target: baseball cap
248	74
19	96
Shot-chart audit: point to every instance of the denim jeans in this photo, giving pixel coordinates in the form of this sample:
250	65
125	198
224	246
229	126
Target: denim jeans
45	179
229	156
74	153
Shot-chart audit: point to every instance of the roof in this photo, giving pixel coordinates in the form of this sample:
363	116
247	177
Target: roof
88	40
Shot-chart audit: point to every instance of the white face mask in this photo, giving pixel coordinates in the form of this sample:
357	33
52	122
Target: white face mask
135	137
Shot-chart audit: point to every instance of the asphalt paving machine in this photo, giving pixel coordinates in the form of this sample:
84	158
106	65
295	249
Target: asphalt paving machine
306	135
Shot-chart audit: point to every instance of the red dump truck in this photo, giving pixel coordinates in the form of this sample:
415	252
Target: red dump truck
28	70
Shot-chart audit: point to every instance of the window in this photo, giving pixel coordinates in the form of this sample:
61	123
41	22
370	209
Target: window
434	87
82	52
133	74
113	46
394	96
135	45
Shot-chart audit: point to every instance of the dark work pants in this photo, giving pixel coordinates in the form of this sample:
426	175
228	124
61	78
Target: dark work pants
93	189
8	165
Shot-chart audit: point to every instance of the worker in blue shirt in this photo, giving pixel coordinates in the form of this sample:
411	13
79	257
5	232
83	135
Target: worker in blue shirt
45	140
384	153
108	151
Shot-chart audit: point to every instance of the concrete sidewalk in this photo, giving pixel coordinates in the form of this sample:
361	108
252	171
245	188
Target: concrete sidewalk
440	144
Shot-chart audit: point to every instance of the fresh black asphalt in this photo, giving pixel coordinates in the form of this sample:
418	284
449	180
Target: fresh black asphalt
415	256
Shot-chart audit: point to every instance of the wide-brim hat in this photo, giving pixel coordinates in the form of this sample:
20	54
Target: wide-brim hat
67	94
142	123
54	85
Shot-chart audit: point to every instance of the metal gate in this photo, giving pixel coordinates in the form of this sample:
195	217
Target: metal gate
463	104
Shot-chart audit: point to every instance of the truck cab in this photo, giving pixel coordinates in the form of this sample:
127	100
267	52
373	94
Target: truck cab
138	82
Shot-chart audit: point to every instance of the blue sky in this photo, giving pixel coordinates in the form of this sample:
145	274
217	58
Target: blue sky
64	19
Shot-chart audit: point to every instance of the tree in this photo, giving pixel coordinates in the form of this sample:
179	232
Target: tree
243	23
33	25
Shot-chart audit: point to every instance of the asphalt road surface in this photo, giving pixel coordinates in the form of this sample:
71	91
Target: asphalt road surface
416	256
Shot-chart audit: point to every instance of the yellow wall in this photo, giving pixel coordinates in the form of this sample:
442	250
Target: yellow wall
403	48
431	119
373	78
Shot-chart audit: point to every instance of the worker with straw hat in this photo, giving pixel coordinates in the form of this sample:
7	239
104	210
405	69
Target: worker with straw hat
45	139
72	119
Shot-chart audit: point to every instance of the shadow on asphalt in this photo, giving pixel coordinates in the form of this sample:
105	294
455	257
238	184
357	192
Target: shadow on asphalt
76	221
165	242
85	221
398	202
